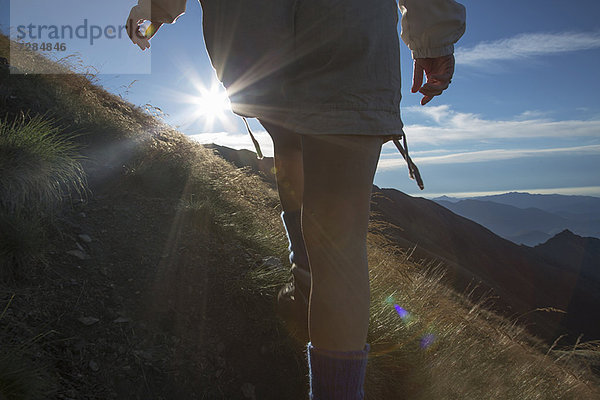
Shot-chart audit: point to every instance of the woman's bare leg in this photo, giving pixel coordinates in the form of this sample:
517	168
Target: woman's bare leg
290	185
338	179
288	166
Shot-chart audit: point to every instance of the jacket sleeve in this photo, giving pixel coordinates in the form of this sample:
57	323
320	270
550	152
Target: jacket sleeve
431	27
163	11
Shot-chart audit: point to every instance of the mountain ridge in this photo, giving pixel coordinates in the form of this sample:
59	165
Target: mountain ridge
533	222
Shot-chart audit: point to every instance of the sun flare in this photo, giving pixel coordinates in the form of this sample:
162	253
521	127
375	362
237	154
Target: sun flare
209	105
212	103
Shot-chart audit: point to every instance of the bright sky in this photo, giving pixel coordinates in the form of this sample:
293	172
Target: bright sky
522	113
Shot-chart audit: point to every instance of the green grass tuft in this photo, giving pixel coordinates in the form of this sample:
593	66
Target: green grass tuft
39	165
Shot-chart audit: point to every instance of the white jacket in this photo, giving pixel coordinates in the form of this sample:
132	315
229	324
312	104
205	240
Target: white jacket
162	11
429	27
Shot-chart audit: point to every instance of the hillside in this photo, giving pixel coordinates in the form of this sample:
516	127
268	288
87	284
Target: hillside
156	278
521	278
582	256
574	252
148	283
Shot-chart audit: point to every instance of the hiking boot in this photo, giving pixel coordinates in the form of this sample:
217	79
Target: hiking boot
292	302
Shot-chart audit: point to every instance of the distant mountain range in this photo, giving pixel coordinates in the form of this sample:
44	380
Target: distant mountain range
560	279
553	276
530	219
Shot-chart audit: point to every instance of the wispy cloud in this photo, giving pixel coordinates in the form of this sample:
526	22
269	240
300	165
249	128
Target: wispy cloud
448	126
527	45
489	155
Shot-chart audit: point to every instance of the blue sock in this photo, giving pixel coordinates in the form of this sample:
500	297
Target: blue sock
336	375
293	228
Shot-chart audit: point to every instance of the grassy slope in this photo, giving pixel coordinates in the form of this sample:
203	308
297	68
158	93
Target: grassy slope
184	302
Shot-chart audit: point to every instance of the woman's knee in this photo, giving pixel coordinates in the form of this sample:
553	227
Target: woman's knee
285	141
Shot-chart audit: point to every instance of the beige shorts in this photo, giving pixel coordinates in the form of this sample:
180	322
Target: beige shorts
313	66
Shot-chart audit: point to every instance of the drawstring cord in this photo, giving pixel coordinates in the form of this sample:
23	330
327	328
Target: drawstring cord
259	153
413	171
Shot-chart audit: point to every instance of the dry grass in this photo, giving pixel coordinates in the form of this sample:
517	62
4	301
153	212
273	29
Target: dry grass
67	93
448	346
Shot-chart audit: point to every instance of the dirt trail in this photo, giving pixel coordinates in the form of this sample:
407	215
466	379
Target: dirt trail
137	304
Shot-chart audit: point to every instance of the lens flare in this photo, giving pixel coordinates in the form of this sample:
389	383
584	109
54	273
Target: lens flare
390	299
402	312
427	340
148	28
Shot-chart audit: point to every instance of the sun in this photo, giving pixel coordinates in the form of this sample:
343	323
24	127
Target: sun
207	105
212	103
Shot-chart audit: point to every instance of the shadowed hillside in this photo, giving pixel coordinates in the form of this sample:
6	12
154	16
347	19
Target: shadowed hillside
149	282
522	279
581	255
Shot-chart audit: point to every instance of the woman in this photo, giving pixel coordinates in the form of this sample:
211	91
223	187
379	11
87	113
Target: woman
323	78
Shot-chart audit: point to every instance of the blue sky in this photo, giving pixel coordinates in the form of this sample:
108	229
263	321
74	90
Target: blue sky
522	113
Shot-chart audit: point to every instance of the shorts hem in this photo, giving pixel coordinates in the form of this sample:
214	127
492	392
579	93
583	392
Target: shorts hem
335	122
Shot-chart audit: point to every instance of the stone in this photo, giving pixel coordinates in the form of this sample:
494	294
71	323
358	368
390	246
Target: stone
94	366
85	238
87	321
272	263
79	254
249	391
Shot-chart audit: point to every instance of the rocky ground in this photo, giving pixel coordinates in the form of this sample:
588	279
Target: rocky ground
135	303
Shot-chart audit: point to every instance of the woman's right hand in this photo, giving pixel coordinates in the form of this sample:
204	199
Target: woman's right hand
138	15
